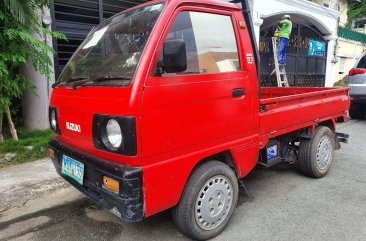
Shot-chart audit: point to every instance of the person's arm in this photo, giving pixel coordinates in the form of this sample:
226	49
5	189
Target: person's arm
284	22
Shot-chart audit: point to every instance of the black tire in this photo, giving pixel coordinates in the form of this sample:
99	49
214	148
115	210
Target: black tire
187	213
316	155
357	111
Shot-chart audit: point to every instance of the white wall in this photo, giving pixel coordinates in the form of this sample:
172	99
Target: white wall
350	51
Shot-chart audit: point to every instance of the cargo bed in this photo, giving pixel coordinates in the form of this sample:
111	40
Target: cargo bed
283	110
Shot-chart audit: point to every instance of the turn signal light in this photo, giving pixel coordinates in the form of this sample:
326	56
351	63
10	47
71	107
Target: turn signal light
111	184
51	153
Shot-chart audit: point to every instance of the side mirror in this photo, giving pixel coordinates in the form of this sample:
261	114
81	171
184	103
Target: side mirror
174	56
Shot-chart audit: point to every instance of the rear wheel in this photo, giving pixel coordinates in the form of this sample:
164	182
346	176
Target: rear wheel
207	202
357	111
316	155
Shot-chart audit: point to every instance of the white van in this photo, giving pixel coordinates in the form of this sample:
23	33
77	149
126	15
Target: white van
357	82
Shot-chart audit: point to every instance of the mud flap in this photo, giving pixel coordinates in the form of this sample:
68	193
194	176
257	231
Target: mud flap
338	138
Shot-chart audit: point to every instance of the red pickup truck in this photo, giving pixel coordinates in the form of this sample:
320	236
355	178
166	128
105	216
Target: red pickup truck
160	107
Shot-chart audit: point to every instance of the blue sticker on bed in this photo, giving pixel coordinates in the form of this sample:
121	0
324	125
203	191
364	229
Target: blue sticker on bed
272	152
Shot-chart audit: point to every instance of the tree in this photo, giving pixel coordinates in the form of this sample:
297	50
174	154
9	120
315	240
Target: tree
356	10
19	22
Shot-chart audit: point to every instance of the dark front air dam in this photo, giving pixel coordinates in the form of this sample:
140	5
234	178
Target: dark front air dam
127	204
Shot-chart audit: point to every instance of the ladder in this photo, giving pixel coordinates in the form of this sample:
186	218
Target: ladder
280	70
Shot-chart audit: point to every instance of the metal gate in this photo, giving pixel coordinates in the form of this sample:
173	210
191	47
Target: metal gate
301	69
75	18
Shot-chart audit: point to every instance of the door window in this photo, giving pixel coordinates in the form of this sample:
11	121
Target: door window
210	40
362	63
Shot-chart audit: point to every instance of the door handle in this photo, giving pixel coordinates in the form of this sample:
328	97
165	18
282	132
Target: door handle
239	92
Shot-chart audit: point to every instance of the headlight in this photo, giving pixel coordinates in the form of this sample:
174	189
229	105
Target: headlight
114	133
53	120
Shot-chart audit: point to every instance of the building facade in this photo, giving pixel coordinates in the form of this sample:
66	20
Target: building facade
312	23
350	43
350	46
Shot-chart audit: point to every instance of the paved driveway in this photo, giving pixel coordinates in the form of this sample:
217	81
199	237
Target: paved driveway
279	204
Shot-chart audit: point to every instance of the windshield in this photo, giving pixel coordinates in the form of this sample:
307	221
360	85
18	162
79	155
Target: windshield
112	50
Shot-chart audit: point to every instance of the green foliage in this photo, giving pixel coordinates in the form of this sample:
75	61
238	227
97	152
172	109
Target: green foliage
19	23
341	84
356	10
38	140
24	11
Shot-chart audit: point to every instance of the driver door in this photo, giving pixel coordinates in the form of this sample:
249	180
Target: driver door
209	103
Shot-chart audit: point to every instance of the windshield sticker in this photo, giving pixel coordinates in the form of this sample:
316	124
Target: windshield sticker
96	37
155	7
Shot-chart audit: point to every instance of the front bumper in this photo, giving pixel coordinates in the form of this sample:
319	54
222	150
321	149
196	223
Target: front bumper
128	204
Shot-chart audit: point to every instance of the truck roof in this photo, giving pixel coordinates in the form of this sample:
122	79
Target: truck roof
219	3
210	2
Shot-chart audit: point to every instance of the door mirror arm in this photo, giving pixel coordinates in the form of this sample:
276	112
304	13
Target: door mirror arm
159	70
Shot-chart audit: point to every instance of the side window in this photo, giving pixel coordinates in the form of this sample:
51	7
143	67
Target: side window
210	42
362	63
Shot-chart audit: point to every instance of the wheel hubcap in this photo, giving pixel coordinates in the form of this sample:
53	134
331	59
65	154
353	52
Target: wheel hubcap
324	152
213	202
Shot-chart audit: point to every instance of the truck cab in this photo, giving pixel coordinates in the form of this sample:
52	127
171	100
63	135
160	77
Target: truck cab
160	108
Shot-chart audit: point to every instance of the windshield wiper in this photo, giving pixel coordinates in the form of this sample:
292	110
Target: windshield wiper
76	82
80	82
99	79
71	80
106	78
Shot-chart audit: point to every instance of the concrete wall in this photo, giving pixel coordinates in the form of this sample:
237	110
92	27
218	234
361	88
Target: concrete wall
343	8
35	105
350	51
337	5
361	30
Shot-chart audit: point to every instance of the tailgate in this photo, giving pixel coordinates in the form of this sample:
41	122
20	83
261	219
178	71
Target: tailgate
279	114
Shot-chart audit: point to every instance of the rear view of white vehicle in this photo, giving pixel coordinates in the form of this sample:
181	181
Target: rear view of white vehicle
357	82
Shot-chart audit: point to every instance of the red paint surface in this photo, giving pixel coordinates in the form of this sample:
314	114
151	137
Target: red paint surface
356	71
182	120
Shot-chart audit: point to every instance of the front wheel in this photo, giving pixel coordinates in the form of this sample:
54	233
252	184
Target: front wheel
207	202
316	155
